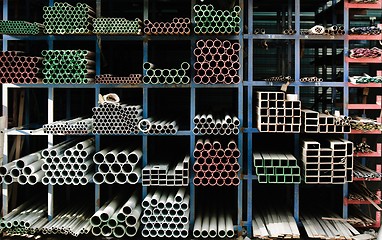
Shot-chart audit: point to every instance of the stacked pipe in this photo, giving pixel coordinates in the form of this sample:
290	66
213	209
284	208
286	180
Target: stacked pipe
110	79
20	27
365	53
25	170
207	124
327	162
16	68
365	124
151	126
372	30
178	26
276	168
215	165
289	31
167	174
117	166
72	220
365	79
315	122
77	126
111	118
166	213
216	62
363	1
363	147
335	30
280	79
213	223
68	66
277	114
166	76
311	79
259	31
117	26
27	218
117	217
361	171
211	21
69	162
360	192
320	30
63	18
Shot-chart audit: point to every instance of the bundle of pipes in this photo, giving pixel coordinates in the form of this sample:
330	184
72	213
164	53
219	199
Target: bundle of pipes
178	26
332	226
365	124
373	30
112	118
365	79
25	170
166	76
117	166
215	165
361	171
15	68
363	1
360	192
110	79
277	114
276	168
289	31
20	27
69	162
359	219
311	79
259	31
117	218
216	62
211	21
151	126
335	30
280	79
26	219
167	174
207	124
321	30
315	122
166	213
327	162
117	26
63	18
77	126
363	147
68	66
269	223
213	223
73	220
365	53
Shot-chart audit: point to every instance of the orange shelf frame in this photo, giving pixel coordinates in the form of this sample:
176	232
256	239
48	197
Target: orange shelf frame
364	60
363	202
377	153
376	106
377	5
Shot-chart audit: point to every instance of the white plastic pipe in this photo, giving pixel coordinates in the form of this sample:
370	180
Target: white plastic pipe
34	167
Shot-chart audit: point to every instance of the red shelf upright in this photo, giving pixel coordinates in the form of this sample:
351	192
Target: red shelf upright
376	106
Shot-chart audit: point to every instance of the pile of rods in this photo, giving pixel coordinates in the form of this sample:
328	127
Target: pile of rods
269	223
63	18
213	223
69	162
373	30
117	166
365	53
110	79
207	124
358	218
363	1
68	66
365	79
112	118
166	213
215	165
77	126
117	26
15	68
216	62
365	124
289	31
20	27
363	147
26	219
178	26
320	30
280	79
176	174
211	21
166	76
361	171
311	79
151	126
117	217
360	192
259	31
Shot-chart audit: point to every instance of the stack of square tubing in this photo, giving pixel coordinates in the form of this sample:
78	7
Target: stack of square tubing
315	122
327	162
276	114
276	168
167	175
